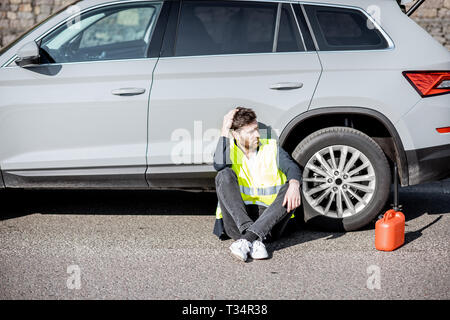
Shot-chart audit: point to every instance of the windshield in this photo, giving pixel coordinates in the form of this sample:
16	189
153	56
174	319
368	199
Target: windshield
23	35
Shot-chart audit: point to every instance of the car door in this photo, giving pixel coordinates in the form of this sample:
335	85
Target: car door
79	118
219	55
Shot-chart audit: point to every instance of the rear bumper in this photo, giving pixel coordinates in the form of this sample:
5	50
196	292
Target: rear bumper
428	164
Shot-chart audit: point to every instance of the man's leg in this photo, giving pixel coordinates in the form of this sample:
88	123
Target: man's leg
272	215
234	213
278	229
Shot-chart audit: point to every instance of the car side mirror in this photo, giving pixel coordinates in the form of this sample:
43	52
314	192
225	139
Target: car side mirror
28	55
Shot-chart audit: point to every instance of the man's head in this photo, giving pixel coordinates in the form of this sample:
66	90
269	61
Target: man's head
245	128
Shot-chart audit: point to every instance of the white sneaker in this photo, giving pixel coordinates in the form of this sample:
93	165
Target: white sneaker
258	250
240	249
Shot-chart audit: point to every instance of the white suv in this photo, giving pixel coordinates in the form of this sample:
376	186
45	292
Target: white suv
131	94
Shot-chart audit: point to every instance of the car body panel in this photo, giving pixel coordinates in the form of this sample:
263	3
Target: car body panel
101	138
425	135
94	128
101	144
190	92
377	116
373	79
429	164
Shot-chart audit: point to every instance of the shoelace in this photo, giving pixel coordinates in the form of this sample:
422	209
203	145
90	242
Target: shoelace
257	244
244	243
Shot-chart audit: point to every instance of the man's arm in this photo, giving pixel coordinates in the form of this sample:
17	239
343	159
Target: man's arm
222	154
292	199
289	167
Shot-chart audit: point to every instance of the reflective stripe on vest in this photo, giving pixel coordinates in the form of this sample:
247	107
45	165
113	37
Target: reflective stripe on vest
260	191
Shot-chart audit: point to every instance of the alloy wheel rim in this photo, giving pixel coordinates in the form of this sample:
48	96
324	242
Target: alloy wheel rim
339	181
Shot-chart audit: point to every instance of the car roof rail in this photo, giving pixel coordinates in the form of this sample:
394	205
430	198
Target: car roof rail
411	10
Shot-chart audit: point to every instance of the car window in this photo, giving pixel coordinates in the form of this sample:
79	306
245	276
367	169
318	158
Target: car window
288	36
344	29
225	27
107	33
37	25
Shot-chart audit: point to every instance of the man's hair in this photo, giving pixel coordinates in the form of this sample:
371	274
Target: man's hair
243	117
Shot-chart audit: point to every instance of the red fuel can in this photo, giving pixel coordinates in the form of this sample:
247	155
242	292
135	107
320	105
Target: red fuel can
390	231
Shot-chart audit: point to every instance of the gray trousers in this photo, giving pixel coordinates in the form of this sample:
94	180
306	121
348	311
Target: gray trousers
238	217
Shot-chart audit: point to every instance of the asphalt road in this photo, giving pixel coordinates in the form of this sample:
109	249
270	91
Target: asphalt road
159	245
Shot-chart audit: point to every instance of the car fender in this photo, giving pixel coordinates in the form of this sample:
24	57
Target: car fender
400	152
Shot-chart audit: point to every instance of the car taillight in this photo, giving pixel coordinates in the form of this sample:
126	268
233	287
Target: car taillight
443	130
429	83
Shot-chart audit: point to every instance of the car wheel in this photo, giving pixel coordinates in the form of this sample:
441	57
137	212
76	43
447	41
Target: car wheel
346	178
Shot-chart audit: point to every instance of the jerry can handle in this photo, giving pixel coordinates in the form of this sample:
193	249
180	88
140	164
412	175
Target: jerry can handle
389	215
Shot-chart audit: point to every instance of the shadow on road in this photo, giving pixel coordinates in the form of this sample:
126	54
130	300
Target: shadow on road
299	235
17	203
415	204
413	235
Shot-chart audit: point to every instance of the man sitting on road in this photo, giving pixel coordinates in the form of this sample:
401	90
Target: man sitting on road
256	177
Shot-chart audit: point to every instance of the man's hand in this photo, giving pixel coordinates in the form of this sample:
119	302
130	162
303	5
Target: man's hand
227	122
292	197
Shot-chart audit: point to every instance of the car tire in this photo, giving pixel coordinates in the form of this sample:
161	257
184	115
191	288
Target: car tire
342	196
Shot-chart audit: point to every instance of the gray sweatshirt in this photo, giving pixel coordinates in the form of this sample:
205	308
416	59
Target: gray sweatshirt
284	160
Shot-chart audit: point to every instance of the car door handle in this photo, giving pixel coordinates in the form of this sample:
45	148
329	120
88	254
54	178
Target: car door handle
128	91
286	85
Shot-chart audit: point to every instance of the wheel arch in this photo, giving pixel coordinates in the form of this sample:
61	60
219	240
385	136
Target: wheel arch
369	121
2	183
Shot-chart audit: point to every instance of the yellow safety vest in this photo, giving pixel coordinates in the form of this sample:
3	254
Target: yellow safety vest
262	186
